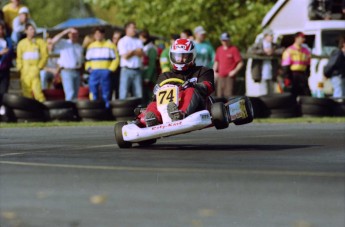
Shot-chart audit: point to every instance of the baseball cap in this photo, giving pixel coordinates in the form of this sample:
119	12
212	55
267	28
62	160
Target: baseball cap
224	36
199	30
299	34
24	10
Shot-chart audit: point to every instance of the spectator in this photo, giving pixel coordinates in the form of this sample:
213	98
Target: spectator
186	34
164	58
11	11
115	76
51	68
131	51
335	69
320	9
100	62
19	24
6	56
149	66
228	62
204	50
296	66
265	69
70	61
32	56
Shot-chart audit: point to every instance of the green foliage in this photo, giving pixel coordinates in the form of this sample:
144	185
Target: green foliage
164	17
47	13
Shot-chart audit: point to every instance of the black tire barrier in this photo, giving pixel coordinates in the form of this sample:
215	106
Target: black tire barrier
339	108
87	104
31	114
18	102
95	114
278	101
315	101
58	104
128	103
122	112
124	119
64	114
259	108
315	110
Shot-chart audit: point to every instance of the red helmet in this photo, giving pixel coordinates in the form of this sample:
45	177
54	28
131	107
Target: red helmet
182	54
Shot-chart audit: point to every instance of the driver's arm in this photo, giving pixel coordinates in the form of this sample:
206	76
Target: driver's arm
206	81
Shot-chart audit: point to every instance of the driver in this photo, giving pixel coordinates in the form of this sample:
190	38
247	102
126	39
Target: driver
200	84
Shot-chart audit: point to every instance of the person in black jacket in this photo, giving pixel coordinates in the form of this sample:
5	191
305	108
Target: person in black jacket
6	56
192	96
335	69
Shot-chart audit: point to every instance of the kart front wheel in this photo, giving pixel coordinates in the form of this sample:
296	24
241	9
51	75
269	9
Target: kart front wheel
119	137
220	118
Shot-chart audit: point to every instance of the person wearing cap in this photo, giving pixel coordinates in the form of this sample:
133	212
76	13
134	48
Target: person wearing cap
296	66
32	56
265	70
19	24
228	62
70	61
11	11
204	50
101	61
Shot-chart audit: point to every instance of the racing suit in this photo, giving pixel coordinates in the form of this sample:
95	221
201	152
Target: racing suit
32	56
191	99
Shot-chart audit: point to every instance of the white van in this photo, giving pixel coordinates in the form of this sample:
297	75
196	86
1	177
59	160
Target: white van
322	36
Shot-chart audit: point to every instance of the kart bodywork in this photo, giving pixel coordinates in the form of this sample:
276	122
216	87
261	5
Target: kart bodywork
218	114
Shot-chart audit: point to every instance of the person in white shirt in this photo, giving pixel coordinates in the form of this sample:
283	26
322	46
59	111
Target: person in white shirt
131	50
70	61
19	23
51	68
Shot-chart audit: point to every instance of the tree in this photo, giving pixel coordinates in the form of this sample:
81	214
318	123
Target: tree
164	17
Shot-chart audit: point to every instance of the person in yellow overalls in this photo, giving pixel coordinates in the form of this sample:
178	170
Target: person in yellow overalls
32	56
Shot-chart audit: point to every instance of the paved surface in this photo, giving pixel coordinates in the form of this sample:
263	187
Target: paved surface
258	175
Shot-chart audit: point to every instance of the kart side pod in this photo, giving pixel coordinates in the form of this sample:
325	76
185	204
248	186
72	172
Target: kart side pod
240	110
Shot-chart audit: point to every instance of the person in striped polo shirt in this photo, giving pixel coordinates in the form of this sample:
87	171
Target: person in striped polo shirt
101	61
296	66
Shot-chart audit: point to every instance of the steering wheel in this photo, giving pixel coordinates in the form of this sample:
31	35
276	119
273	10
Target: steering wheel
171	81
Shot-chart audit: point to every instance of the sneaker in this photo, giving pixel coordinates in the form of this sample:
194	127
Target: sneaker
151	119
173	111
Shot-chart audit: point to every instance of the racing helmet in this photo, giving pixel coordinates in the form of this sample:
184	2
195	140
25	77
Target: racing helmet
182	54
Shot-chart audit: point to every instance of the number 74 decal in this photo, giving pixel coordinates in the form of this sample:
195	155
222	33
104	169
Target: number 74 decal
166	95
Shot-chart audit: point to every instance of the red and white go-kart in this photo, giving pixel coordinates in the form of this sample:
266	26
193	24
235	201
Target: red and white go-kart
218	114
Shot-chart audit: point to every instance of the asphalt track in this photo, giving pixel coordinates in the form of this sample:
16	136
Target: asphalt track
260	175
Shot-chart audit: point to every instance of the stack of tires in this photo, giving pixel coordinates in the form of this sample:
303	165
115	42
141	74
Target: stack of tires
92	110
339	107
281	105
21	109
316	107
61	110
259	107
123	110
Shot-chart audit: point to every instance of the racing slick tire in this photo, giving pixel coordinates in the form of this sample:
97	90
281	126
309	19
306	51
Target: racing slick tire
147	143
119	137
248	108
220	118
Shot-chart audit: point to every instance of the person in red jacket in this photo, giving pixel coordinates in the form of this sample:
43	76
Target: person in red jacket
193	97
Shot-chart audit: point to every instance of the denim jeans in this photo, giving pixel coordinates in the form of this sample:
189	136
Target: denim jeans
338	84
46	79
100	77
71	82
130	79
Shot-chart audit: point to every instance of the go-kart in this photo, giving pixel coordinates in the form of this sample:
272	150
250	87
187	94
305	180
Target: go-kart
218	114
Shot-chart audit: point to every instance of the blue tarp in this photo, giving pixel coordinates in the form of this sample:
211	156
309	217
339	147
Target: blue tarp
81	22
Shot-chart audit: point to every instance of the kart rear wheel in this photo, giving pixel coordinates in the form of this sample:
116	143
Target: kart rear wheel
118	136
219	116
147	143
